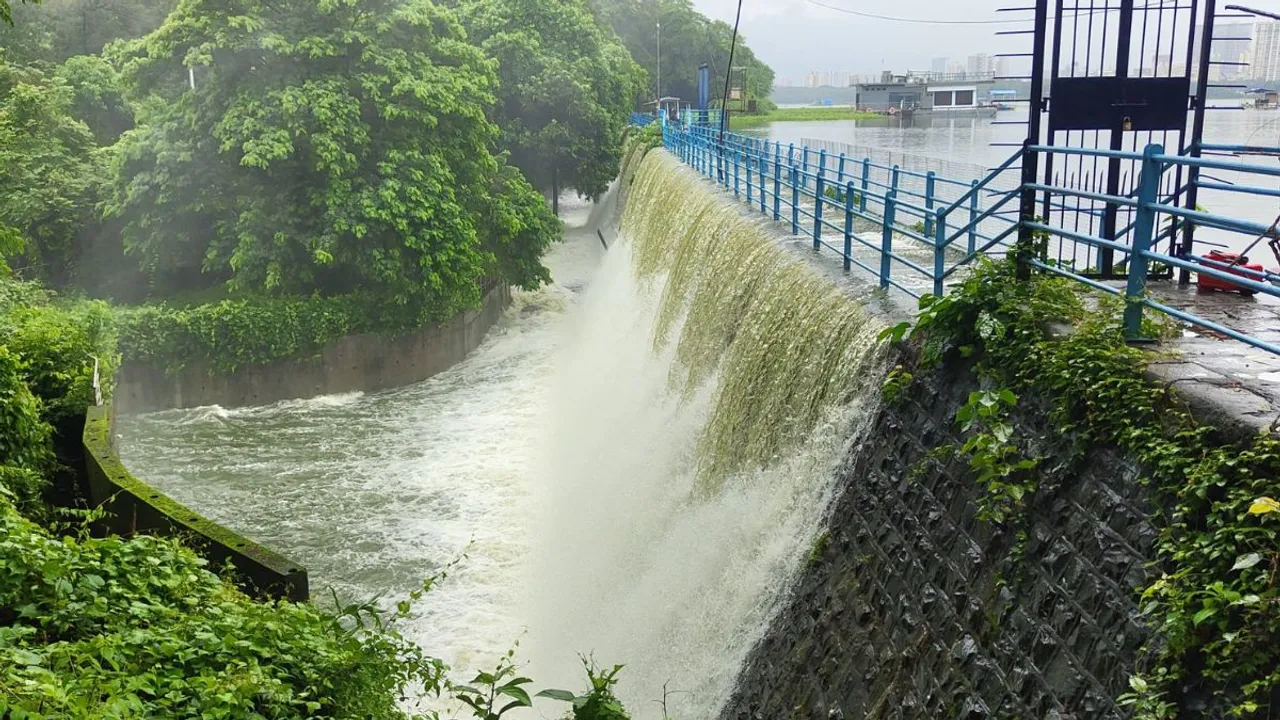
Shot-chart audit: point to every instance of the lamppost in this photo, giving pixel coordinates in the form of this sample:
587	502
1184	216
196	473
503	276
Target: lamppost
659	62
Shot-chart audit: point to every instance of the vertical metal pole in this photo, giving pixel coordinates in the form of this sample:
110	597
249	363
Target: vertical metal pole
1144	224
1106	257
939	254
840	172
866	183
848	227
930	186
886	238
1054	70
724	164
748	162
795	200
973	217
819	187
1027	207
804	176
736	186
777	184
763	165
1197	136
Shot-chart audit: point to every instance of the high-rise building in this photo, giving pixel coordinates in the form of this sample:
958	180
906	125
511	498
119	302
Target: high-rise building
940	65
838	78
1230	50
1266	51
980	64
1002	67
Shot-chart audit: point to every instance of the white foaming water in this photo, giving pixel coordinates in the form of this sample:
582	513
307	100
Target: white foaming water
561	461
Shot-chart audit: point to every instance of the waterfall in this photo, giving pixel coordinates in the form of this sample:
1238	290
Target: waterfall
708	390
635	463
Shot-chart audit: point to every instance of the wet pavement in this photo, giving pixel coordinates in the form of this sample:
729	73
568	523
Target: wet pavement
1227	382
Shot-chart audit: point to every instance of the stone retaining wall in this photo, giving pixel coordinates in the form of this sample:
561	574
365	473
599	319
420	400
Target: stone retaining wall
915	608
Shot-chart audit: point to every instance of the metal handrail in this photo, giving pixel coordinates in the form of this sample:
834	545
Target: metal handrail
794	183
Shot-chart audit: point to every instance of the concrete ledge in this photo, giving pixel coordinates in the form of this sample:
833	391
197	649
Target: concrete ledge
355	363
135	507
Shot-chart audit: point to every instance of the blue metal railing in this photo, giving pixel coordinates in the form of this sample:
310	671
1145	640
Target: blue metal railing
886	220
914	231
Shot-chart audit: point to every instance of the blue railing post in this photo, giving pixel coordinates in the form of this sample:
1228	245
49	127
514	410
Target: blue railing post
791	155
777	184
804	177
894	178
973	218
939	254
840	172
930	186
866	183
1144	223
748	163
736	161
886	238
819	188
763	167
795	200
848	227
722	163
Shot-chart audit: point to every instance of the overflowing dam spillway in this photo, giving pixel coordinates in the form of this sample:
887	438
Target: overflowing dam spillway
633	465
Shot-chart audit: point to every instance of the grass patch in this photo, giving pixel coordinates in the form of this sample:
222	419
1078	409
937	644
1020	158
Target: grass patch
803	114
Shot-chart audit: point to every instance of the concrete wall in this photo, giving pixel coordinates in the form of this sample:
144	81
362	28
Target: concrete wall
135	507
916	609
357	362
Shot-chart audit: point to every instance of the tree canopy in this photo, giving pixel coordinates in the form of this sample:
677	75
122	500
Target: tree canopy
50	173
326	147
54	30
689	39
566	85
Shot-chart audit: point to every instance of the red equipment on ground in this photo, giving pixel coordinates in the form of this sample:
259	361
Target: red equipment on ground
1235	264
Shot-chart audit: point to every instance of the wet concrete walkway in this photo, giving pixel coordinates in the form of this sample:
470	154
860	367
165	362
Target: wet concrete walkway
1226	381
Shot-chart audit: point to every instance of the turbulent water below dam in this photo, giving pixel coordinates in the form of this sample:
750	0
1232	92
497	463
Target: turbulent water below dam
633	465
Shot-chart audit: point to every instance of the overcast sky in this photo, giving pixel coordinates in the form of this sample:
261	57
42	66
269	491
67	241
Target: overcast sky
797	36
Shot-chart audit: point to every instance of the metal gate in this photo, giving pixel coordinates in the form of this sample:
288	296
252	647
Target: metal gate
1113	75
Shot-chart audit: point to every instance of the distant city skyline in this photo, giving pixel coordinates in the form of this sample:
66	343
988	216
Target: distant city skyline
800	37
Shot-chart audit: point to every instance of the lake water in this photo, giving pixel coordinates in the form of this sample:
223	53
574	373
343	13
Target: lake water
973	145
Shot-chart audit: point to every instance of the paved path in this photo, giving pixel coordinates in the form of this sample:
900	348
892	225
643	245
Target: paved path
1224	379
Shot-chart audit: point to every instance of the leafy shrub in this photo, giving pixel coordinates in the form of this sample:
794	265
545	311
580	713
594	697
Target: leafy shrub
645	138
24	435
59	345
236	333
140	628
25	489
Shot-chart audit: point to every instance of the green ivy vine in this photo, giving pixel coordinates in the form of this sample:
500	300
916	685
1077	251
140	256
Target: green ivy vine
1213	597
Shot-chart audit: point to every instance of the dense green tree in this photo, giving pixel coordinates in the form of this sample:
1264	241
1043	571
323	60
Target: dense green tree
55	30
689	39
327	147
566	86
99	102
50	174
